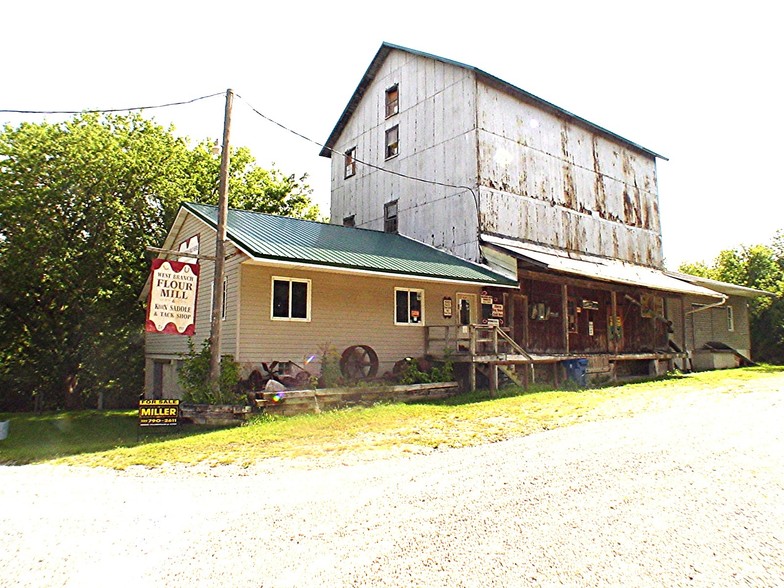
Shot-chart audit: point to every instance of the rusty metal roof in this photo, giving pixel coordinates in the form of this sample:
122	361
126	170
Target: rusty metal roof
301	242
387	48
597	268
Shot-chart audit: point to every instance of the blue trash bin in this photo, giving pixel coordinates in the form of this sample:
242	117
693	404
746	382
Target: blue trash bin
577	371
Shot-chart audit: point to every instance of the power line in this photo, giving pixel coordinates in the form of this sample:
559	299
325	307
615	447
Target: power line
102	110
370	165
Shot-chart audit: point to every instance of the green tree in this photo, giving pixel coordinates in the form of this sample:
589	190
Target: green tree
760	267
79	202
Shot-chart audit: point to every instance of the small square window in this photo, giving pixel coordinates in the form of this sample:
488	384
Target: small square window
350	162
391	101
349	221
409	306
290	299
391	146
390	217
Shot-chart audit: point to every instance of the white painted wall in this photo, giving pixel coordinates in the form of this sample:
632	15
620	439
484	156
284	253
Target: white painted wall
543	178
437	142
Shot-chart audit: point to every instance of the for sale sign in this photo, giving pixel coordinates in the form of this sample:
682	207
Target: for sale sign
171	307
160	412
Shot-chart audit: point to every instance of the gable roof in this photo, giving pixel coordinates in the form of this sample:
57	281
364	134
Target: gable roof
387	48
267	237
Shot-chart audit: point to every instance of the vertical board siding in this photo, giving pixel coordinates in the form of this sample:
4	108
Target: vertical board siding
346	310
587	192
437	142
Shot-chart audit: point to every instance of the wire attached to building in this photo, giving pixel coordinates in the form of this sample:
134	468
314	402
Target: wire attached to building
365	163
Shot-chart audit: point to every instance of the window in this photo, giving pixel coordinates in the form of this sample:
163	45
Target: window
409	306
390	217
391	148
391	101
350	162
225	296
349	221
290	299
730	319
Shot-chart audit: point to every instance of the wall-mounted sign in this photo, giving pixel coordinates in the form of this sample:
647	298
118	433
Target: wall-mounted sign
171	306
485	299
497	311
447	307
590	304
159	412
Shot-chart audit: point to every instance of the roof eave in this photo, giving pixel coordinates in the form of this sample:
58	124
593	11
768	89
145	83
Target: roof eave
386	48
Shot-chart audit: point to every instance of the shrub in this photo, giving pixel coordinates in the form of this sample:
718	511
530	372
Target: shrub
194	378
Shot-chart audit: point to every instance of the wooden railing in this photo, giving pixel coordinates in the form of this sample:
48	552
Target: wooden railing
471	340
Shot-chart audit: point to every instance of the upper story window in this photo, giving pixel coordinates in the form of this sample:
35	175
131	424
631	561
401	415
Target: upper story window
391	101
350	162
390	217
409	306
391	143
349	221
290	299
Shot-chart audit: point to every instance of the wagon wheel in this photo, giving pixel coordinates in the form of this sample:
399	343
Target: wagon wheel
359	362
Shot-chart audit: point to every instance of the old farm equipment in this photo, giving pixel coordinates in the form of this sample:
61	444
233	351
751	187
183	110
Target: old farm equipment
359	362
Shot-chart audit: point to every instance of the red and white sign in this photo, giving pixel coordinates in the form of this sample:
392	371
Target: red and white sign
171	307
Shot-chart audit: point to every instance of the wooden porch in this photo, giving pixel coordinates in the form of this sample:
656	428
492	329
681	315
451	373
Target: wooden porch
491	351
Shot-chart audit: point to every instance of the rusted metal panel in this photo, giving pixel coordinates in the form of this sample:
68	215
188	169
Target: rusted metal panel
586	191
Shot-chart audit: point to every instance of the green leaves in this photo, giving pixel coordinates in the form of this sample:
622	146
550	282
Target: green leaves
79	202
760	267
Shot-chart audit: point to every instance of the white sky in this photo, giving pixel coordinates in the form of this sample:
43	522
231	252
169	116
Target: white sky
698	82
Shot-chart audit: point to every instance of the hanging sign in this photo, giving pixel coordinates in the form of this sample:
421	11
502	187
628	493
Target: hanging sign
171	307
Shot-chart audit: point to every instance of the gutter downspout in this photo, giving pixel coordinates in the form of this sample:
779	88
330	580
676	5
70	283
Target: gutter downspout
715	305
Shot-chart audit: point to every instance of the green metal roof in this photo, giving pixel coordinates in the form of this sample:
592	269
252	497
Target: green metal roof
280	238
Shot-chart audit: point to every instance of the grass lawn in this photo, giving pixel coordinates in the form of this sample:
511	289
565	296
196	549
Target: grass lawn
109	438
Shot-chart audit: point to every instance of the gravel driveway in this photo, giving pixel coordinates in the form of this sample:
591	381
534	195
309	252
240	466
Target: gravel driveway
691	495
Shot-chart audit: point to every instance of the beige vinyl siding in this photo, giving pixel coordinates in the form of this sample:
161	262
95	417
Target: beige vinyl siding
167	346
346	309
711	325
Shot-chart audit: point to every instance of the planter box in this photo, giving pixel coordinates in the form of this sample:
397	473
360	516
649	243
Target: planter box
214	414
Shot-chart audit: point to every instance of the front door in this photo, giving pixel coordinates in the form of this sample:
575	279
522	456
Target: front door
466	309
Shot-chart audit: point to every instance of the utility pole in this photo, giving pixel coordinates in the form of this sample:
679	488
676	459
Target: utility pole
220	254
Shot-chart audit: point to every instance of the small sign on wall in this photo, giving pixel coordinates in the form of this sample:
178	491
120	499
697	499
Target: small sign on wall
447	307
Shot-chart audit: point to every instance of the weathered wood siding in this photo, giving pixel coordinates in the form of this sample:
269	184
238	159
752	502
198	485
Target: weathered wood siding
346	310
168	346
437	141
551	181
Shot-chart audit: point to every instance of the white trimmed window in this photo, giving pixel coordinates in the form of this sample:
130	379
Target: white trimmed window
409	306
290	299
730	319
225	297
